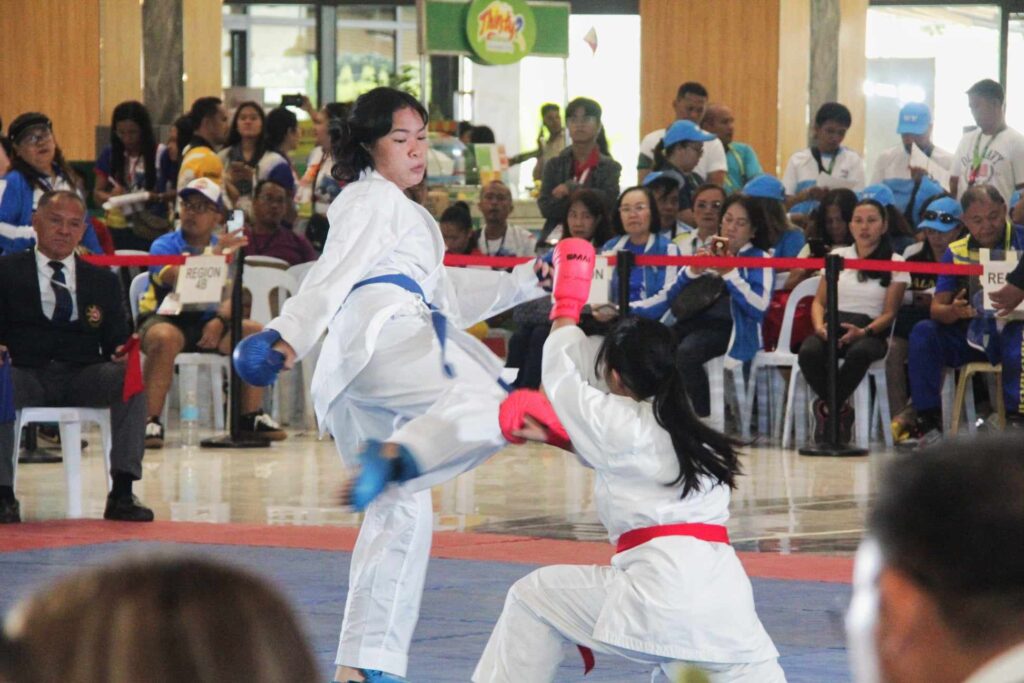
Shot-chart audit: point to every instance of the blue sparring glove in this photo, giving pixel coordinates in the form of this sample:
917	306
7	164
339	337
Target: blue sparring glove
256	361
376	472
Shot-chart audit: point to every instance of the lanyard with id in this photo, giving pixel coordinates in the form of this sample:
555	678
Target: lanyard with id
977	158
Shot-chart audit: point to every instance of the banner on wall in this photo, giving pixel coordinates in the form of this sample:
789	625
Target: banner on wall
494	31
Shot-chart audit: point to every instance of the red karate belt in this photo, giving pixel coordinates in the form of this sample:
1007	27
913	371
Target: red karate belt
712	533
133	369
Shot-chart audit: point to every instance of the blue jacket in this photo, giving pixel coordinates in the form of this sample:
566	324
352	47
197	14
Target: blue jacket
654	278
18	201
750	291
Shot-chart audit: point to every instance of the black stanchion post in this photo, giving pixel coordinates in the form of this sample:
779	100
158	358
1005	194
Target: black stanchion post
624	261
234	437
832	447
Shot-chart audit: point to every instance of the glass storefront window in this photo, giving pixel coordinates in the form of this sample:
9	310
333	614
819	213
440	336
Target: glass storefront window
929	53
281	48
376	46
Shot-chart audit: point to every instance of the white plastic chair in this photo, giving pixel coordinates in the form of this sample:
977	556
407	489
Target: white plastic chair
958	396
188	364
871	413
70	420
716	370
257	261
262	282
298	273
772	361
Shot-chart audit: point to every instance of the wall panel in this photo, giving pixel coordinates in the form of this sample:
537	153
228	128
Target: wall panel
202	50
731	46
120	54
51	63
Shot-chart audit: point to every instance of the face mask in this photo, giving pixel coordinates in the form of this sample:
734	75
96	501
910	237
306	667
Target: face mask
862	617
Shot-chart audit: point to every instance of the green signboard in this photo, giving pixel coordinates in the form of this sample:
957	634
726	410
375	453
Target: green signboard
500	31
444	26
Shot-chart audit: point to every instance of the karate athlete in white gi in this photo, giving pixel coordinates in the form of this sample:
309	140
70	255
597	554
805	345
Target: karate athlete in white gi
395	366
675	594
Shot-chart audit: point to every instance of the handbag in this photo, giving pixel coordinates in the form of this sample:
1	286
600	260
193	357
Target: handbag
697	297
148	226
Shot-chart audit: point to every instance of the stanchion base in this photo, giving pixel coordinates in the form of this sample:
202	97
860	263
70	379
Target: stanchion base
833	450
38	457
226	441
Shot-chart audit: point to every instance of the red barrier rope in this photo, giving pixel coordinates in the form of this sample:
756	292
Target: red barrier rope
659	261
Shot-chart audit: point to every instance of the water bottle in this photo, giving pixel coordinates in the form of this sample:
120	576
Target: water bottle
190	421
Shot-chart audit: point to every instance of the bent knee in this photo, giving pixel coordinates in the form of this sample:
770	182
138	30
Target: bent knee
162	338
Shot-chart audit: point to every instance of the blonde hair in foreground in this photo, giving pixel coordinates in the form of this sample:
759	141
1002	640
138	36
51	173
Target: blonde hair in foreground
160	621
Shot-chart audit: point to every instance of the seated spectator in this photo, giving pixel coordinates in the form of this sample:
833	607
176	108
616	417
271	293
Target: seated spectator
168	161
743	164
587	220
457	230
267	233
677	158
941	227
690	104
323	186
718	311
245	148
892	168
901	235
64	326
129	165
499	237
868	301
165	336
830	228
957	332
665	188
37	167
707	218
161	620
938	589
827	156
282	137
199	158
637	224
787	240
581	164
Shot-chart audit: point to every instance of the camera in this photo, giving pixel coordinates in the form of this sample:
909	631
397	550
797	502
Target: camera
292	100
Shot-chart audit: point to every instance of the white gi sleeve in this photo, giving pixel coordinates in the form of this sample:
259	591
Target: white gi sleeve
471	295
600	424
364	232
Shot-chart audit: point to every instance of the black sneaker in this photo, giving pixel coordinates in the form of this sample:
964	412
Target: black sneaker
846	419
154	433
10	511
127	510
820	420
49	436
262	425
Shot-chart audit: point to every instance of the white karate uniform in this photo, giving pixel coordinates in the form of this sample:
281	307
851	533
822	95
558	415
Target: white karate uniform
379	376
670	602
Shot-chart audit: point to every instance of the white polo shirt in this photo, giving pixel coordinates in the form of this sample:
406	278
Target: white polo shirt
802	172
1000	156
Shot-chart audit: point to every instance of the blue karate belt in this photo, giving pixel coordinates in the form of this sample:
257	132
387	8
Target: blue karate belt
436	316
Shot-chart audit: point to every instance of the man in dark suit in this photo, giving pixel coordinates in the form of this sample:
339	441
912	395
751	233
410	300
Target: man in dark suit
63	323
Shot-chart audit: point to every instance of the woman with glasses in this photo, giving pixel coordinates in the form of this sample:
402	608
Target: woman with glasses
581	164
940	225
637	223
37	167
708	200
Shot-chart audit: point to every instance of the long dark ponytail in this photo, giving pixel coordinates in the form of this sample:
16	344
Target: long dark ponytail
369	120
643	353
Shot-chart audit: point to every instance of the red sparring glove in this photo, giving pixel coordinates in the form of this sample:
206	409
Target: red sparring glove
574	270
530	402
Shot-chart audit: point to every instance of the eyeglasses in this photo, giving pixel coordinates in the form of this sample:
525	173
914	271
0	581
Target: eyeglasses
197	206
707	205
37	138
944	218
636	208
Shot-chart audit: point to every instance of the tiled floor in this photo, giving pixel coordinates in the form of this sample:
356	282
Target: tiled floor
785	502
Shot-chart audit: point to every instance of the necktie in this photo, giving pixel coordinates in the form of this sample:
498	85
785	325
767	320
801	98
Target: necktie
62	311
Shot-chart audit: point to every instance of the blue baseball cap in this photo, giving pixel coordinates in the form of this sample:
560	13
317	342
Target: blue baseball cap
651	177
685	130
943	215
915	118
880	193
766	186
